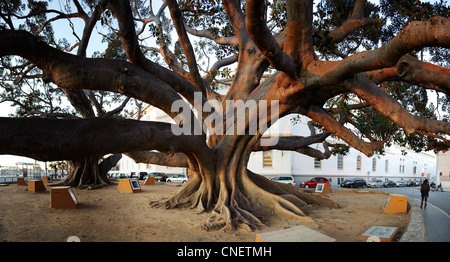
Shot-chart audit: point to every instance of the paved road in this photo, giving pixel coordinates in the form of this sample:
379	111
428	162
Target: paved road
436	215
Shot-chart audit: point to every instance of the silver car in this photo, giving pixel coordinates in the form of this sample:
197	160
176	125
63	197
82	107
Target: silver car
284	179
181	178
375	183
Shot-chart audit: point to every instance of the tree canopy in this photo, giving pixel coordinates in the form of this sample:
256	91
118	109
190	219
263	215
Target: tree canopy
369	74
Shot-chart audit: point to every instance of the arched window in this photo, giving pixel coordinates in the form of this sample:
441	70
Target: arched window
386	166
358	163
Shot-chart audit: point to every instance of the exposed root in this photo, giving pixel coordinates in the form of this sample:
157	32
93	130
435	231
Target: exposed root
251	200
88	174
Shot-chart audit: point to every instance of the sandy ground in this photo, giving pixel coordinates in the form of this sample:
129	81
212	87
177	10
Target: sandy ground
108	215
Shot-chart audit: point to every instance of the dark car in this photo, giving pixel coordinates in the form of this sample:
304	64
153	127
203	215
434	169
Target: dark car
355	182
140	175
389	184
410	183
159	177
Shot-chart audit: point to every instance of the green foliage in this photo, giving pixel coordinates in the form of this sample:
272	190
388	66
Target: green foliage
20	81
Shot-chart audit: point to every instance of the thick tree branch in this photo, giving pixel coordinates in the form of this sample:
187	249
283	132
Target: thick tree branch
177	18
433	32
132	48
69	71
262	37
299	41
237	20
355	21
312	152
89	26
414	71
292	142
157	158
46	139
390	108
320	116
108	163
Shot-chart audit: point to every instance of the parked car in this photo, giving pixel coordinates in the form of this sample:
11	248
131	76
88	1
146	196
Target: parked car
284	179
125	175
389	183
180	178
409	183
159	177
113	175
375	183
313	182
401	183
355	182
139	175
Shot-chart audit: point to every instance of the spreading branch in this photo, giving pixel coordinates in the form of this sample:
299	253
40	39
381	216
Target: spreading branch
265	41
73	72
157	158
390	108
67	139
416	35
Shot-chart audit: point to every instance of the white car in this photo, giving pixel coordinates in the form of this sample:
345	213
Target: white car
375	183
181	178
284	179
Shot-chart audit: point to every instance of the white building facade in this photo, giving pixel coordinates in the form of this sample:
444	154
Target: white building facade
443	167
397	163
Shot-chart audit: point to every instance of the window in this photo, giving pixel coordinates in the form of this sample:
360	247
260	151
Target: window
340	162
267	158
358	163
401	168
386	166
317	163
374	164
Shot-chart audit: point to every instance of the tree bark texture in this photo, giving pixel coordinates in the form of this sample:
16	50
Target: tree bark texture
222	184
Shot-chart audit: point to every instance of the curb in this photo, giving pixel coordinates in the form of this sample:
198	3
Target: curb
415	231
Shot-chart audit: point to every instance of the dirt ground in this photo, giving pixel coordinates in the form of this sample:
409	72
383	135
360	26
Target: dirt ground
108	215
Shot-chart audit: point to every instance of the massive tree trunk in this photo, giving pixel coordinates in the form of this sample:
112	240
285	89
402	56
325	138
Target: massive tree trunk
90	172
239	198
85	174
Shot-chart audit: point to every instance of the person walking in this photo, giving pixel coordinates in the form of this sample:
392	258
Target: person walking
424	190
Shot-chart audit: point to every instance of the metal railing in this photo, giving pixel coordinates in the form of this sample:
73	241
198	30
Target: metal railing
8	179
